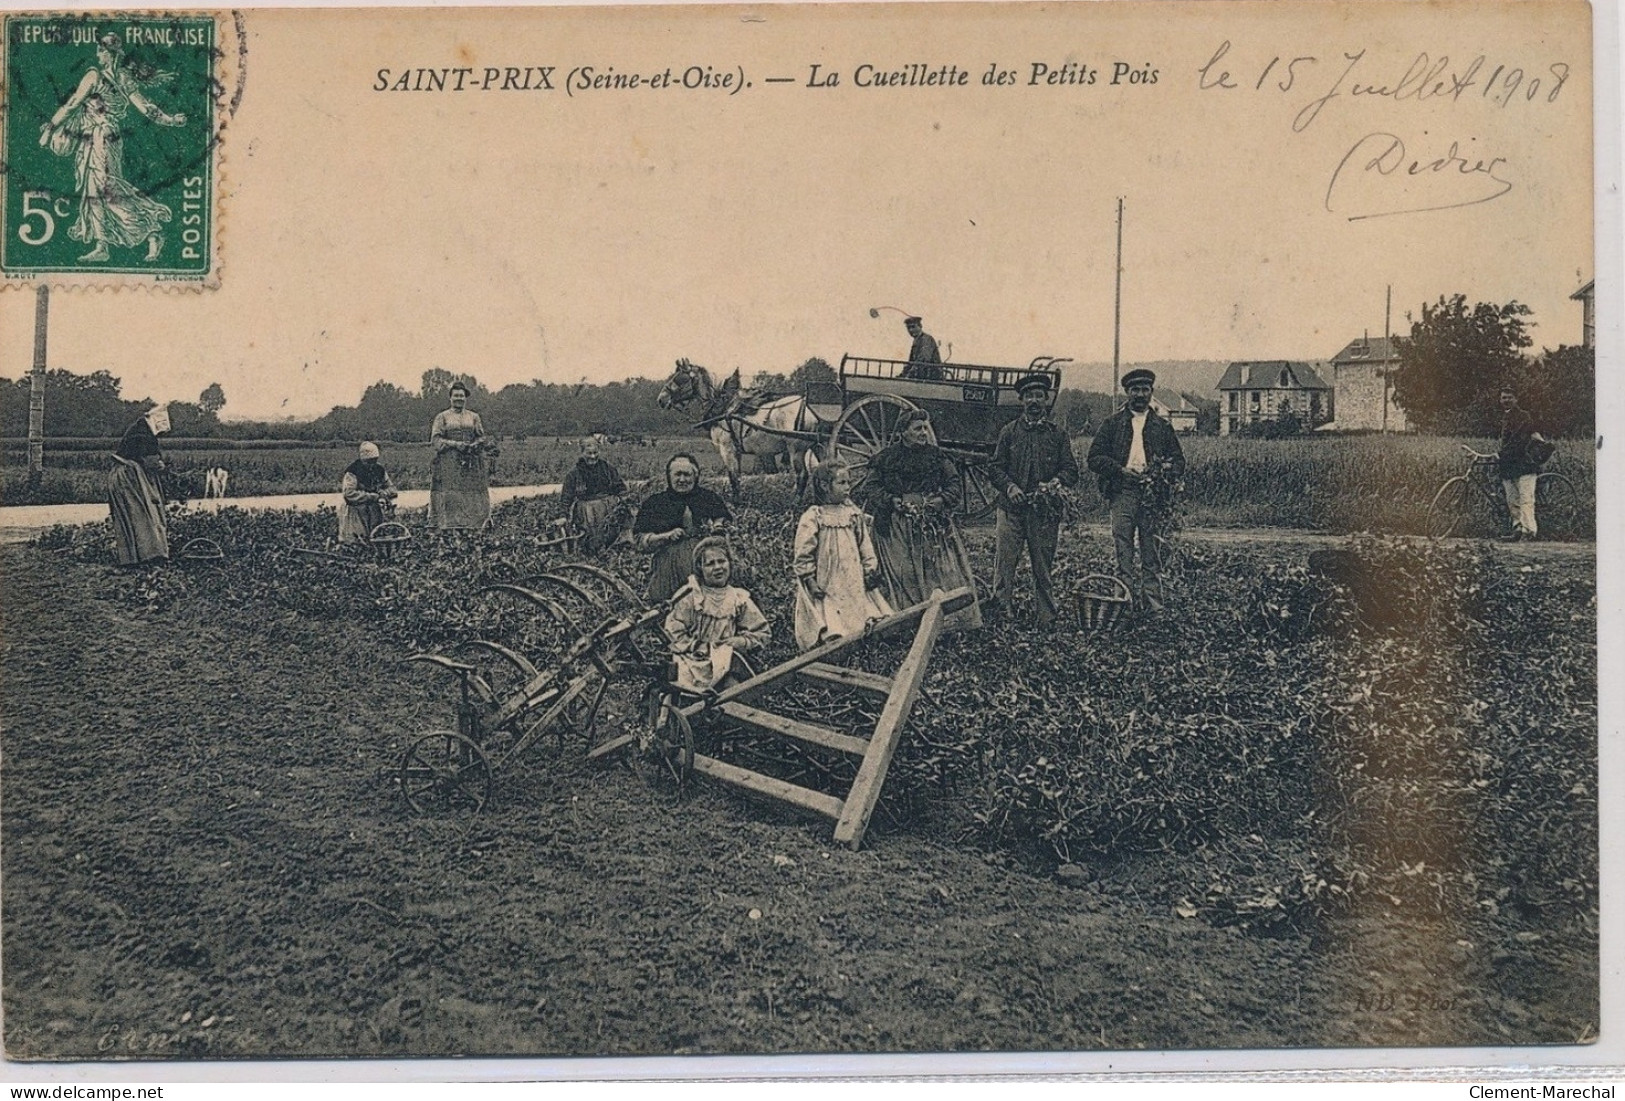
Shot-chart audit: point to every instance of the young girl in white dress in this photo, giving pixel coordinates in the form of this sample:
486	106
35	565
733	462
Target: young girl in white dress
837	571
711	621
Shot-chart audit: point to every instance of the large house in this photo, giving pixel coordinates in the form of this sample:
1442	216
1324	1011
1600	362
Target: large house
1177	408
1361	376
1587	297
1255	391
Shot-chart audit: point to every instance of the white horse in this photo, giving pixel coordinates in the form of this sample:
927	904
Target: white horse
746	423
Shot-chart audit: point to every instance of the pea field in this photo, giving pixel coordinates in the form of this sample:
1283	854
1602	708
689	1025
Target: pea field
1290	811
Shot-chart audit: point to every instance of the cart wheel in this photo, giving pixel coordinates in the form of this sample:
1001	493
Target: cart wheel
445	772
978	495
866	427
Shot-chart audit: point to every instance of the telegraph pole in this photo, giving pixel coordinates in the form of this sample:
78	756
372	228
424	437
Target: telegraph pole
36	388
1117	313
1387	316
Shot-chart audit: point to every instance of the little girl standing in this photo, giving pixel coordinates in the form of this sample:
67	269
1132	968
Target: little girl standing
834	560
711	620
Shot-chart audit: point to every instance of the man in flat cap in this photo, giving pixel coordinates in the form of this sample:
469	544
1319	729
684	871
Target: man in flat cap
1032	461
1137	457
924	360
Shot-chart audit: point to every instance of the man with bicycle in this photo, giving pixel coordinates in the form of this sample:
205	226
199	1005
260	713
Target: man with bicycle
1518	471
1138	459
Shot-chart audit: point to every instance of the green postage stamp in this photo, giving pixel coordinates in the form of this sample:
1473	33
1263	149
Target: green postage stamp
111	143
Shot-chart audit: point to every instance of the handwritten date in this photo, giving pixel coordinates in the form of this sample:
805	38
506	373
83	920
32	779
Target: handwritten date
1356	75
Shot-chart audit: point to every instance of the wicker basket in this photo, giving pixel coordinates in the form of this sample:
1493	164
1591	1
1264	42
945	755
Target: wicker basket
201	550
389	532
1102	611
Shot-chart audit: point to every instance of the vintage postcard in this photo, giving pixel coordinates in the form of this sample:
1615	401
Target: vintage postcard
1035	531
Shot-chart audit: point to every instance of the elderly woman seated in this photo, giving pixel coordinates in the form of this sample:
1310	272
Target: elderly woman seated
366	495
592	494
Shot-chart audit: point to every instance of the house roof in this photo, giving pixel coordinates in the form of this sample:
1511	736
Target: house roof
1585	291
1265	374
1367	349
1172	402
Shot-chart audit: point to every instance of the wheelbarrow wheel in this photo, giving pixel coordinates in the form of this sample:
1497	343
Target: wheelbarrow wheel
445	773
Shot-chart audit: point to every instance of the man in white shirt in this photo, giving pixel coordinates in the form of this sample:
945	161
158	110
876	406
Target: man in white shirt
1137	457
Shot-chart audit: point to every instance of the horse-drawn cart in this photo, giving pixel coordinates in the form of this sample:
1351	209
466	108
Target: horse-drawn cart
854	416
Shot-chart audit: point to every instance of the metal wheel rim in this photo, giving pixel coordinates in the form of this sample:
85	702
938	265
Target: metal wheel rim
443	770
678	746
1446	509
864	429
978	496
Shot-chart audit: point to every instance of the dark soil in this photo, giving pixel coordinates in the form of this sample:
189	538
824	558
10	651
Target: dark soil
205	856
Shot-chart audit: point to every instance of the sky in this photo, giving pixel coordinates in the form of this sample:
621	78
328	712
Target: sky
371	235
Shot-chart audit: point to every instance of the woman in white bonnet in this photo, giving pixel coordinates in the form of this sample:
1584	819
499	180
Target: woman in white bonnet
366	493
135	499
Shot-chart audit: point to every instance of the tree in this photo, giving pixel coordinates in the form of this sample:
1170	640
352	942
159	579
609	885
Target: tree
1560	390
1072	412
213	399
80	405
815	370
437	382
1452	365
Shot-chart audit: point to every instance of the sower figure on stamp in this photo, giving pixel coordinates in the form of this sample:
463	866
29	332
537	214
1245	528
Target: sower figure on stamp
1134	452
924	360
1032	461
112	210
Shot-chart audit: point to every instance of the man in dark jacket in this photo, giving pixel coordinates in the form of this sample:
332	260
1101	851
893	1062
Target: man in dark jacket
924	359
1512	463
1031	462
1138	459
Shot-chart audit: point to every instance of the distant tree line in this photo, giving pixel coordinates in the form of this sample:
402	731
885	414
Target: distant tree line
93	405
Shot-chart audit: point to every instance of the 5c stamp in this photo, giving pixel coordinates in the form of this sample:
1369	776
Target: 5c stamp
111	148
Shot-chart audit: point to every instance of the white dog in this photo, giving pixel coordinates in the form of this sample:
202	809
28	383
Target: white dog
214	482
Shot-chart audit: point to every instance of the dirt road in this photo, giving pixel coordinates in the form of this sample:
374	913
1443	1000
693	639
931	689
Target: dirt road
20	523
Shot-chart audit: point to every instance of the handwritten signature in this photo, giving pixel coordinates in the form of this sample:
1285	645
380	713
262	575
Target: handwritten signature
1411	185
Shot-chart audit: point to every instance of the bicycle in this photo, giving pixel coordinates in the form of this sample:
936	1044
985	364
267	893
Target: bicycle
1473	502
